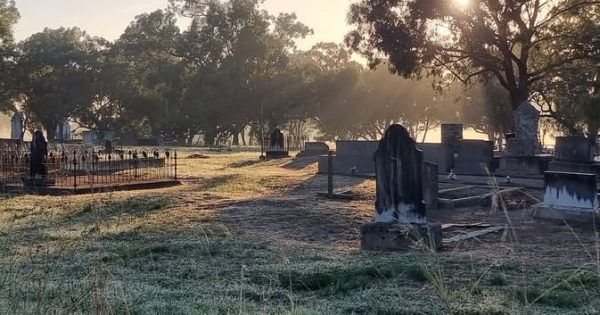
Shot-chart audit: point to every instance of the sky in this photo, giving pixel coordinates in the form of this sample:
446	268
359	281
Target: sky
109	18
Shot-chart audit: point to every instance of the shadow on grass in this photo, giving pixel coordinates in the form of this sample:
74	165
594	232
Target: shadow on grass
301	163
243	164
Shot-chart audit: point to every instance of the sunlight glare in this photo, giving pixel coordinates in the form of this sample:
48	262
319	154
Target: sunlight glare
462	3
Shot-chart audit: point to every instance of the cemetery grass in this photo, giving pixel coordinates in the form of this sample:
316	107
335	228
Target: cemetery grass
241	236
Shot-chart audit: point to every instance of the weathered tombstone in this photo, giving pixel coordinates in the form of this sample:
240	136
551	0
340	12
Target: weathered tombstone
573	154
400	216
473	157
451	133
37	160
522	146
525	142
16	126
572	197
63	131
430	185
277	140
276	149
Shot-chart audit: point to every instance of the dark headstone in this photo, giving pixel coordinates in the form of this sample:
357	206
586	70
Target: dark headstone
525	141
398	166
276	148
430	185
473	157
574	149
400	209
277	141
39	152
573	154
451	133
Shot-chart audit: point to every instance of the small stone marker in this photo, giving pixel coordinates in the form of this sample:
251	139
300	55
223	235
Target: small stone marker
572	197
400	219
16	126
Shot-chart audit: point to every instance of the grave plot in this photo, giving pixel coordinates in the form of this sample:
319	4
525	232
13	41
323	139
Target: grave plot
80	169
466	196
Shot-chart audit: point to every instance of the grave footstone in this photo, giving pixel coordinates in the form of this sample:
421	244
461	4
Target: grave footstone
572	197
400	221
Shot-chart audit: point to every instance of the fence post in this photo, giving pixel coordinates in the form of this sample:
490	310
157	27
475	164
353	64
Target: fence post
74	170
330	174
175	157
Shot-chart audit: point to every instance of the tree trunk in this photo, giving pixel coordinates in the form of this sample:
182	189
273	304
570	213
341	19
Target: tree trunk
236	139
243	136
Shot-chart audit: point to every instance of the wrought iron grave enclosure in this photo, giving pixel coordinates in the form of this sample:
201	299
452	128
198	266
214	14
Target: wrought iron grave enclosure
78	167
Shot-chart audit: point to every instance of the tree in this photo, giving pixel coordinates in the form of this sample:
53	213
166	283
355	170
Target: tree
9	16
470	41
58	69
486	107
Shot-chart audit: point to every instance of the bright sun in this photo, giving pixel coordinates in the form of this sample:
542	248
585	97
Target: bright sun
462	3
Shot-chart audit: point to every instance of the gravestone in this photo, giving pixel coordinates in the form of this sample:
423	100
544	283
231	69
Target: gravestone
430	185
314	149
525	141
573	154
473	157
63	131
523	145
16	126
37	158
400	221
452	133
572	197
276	149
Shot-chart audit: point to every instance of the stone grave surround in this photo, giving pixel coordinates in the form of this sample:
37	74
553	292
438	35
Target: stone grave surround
399	197
572	197
573	154
358	156
314	149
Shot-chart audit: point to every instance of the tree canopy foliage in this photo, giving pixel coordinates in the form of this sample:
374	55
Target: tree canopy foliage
232	70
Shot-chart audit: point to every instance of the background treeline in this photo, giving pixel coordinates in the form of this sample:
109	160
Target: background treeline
232	70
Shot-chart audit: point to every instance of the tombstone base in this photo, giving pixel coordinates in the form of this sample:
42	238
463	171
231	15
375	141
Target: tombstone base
562	166
277	155
522	166
396	237
568	214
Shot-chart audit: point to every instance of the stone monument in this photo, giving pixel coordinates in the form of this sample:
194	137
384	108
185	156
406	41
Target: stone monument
63	131
276	149
400	210
16	126
573	154
452	133
37	158
572	197
523	145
